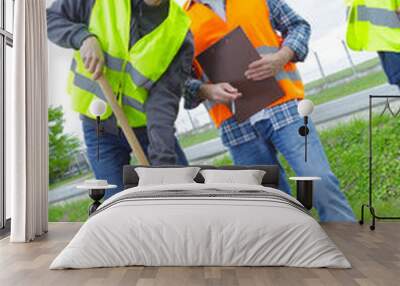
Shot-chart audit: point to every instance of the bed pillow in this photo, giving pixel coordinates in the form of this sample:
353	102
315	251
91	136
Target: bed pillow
166	176
247	177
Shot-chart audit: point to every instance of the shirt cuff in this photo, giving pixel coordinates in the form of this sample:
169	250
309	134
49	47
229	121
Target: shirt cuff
300	50
79	37
191	93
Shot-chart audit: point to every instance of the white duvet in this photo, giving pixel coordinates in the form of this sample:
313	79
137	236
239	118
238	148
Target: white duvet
200	231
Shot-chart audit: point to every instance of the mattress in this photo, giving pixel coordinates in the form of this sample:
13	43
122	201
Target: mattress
201	225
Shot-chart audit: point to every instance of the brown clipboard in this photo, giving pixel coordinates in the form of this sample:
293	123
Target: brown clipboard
226	61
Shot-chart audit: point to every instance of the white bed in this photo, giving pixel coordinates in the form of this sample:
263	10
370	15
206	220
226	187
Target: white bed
201	225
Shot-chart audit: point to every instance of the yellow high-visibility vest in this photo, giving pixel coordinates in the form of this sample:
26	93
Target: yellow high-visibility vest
373	25
131	71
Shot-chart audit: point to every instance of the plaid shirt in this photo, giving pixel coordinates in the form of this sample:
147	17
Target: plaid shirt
296	33
234	133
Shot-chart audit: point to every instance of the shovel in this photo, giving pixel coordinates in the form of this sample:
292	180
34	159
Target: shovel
123	121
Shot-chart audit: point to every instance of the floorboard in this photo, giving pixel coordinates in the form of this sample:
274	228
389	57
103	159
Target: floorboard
375	257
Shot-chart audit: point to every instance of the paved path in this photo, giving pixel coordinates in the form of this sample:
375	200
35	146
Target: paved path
351	104
66	192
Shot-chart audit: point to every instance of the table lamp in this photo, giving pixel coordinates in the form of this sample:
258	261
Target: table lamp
305	108
98	108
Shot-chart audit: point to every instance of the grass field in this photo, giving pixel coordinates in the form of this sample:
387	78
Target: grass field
346	147
342	74
354	86
189	139
69	180
70	211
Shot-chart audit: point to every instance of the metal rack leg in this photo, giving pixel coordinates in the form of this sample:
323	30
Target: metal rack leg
372	210
361	221
374	216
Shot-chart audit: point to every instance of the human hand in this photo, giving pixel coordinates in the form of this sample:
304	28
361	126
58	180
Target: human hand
269	65
153	2
92	56
219	92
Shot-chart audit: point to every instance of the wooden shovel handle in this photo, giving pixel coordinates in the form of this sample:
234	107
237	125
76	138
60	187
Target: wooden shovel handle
123	121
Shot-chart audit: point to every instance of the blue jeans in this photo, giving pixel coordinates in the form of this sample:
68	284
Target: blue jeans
391	65
115	153
328	199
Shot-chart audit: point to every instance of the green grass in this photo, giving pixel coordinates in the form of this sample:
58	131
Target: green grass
224	160
188	140
70	211
349	88
342	74
63	182
347	149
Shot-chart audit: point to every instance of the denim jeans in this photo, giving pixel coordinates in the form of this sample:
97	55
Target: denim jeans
329	201
391	65
115	153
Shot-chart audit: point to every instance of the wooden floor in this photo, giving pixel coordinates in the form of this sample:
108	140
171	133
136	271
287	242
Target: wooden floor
375	257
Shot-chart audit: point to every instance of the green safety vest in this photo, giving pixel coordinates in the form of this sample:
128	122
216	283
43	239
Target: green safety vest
373	25
131	72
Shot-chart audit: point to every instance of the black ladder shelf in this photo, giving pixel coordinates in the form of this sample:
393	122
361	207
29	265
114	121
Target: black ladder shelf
395	114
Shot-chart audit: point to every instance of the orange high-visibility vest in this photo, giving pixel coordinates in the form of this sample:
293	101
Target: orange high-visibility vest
253	16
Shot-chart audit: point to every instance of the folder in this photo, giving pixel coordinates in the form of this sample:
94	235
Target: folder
226	61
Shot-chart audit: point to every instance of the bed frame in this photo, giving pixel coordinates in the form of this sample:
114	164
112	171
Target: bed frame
271	177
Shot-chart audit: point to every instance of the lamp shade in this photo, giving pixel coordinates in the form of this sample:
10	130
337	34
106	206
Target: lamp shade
305	107
98	107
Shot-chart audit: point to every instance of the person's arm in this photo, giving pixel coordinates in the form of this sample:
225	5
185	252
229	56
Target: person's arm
196	91
67	26
67	22
172	81
296	34
295	30
191	93
398	8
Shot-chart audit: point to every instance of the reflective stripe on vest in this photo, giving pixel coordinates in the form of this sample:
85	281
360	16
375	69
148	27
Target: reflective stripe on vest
113	63
378	16
86	84
138	78
130	101
117	64
131	72
93	87
373	25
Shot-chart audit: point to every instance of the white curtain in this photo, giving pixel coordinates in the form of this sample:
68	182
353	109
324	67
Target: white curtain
27	128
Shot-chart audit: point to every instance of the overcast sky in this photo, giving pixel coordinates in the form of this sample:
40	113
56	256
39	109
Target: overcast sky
327	19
